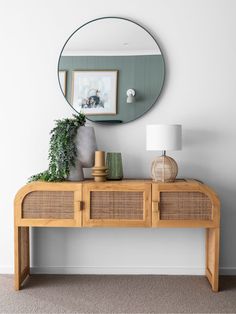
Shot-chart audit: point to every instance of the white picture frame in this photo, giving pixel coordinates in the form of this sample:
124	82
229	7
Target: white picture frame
94	92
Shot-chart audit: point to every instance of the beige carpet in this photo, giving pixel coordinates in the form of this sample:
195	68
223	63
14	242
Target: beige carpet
117	294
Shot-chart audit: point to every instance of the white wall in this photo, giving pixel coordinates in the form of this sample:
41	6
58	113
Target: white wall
198	39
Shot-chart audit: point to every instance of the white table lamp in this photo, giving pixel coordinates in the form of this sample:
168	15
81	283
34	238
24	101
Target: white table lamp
164	137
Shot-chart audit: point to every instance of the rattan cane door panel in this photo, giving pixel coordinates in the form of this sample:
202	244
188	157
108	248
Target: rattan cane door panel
48	205
185	206
117	205
57	204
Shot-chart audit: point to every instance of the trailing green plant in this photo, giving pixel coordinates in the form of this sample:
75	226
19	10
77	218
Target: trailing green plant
62	149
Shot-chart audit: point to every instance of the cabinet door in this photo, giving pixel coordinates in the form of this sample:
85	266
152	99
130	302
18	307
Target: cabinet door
50	204
117	204
178	205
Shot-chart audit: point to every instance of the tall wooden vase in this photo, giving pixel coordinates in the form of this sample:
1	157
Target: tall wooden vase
99	171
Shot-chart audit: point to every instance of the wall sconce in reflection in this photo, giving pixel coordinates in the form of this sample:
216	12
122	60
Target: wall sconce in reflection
130	96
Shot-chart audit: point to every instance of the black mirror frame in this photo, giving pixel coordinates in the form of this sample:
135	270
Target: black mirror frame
164	78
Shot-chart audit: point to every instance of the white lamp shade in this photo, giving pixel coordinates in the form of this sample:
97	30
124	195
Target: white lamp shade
164	137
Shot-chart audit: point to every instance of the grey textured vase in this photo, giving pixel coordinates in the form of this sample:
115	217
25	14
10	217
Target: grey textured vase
114	165
86	146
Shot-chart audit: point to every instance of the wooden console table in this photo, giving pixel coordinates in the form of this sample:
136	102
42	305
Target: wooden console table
126	203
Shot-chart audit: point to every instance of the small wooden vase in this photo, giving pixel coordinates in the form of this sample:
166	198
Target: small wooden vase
99	171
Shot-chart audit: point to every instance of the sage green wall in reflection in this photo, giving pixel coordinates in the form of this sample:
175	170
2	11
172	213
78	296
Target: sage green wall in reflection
145	74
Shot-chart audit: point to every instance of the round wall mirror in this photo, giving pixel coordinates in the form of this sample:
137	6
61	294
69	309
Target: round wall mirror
112	70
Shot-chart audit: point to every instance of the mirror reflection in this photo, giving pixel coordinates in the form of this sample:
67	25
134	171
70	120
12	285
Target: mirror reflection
112	70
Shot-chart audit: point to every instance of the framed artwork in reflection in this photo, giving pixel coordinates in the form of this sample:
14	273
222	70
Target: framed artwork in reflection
94	92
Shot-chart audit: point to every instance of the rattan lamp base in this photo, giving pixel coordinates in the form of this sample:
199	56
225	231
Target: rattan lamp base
164	169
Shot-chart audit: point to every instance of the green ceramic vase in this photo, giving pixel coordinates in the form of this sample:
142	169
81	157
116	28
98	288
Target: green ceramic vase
114	165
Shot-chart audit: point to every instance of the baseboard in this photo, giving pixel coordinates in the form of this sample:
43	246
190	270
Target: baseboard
119	270
228	271
7	270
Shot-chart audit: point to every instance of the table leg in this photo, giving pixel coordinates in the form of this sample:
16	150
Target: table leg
212	257
22	259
